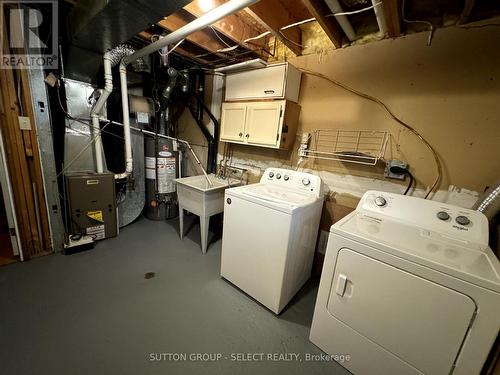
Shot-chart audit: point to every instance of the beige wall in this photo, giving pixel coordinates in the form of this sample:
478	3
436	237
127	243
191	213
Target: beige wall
450	92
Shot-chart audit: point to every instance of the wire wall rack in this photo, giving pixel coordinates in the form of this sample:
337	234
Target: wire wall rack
347	145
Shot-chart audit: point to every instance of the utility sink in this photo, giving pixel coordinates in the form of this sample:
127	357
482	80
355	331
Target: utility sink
197	196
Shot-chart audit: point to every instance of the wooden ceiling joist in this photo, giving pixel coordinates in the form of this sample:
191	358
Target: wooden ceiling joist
319	9
392	10
233	27
272	15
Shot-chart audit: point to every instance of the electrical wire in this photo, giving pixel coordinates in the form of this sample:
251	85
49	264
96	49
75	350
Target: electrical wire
298	23
410	183
431	26
172	49
158	37
384	106
218	37
266	33
354	11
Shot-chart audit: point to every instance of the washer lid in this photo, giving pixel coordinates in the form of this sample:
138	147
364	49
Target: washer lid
279	195
271	196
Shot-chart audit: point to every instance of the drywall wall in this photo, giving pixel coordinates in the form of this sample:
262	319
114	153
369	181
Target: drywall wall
449	92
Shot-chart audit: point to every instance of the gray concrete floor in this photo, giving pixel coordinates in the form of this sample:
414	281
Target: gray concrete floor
95	313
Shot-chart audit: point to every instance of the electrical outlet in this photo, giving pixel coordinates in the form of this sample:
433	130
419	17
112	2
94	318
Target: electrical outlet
395	163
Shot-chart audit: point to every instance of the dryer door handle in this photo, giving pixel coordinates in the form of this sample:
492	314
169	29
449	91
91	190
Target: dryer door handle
341	284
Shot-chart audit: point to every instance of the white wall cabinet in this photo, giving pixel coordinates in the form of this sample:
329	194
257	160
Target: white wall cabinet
277	81
264	123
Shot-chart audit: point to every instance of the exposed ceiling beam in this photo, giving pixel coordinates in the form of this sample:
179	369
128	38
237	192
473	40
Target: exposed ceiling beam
233	26
466	11
318	10
392	10
273	16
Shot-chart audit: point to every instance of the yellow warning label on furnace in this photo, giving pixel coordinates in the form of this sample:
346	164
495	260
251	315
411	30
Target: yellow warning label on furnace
96	215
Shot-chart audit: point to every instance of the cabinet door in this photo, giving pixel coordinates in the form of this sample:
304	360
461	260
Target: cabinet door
233	122
256	84
264	123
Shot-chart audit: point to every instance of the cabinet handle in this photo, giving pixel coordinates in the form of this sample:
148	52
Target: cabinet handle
248	135
240	135
268	91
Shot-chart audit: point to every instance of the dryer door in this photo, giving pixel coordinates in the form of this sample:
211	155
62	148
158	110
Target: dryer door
419	321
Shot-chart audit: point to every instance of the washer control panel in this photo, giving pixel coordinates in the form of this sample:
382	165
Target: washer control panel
455	222
305	182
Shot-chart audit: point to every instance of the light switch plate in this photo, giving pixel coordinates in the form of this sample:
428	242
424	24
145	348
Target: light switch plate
24	123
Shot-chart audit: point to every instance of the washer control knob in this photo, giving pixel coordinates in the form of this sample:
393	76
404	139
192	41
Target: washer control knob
278	176
286	177
443	215
462	220
271	174
380	201
306	181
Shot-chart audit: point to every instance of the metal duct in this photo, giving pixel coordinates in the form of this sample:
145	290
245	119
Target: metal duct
489	203
99	25
95	26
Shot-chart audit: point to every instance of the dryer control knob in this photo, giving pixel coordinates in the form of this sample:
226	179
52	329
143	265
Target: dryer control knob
306	181
443	215
278	176
271	174
462	220
286	177
380	201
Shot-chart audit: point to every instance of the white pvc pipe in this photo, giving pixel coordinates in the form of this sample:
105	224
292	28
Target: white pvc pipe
341	19
380	14
96	134
126	123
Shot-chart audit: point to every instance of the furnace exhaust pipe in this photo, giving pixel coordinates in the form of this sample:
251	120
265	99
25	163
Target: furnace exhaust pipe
94	114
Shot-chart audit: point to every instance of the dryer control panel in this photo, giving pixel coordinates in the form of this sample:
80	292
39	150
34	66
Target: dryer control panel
298	181
455	222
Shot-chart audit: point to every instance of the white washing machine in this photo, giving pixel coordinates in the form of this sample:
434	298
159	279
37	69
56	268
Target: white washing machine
269	235
409	286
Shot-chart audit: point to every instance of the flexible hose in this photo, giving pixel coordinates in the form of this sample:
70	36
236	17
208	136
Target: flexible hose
393	116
